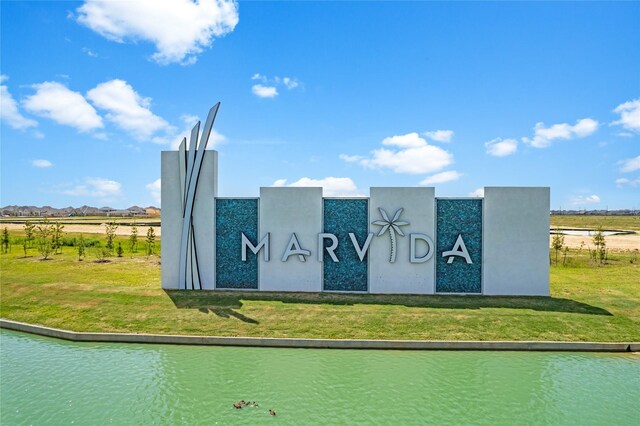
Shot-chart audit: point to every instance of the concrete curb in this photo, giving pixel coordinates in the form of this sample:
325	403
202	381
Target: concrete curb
321	343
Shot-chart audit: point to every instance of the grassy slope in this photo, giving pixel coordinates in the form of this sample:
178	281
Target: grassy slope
588	304
592	222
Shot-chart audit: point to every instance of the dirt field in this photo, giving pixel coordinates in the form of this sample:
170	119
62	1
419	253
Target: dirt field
614	242
88	229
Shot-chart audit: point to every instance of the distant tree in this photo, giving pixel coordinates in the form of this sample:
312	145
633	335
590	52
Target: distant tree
110	229
29	230
133	239
151	241
557	242
56	237
44	231
5	240
81	248
119	250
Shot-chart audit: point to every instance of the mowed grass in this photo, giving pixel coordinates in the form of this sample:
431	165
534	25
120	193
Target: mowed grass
631	223
588	303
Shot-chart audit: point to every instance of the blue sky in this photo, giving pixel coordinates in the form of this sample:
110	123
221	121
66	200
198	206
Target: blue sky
346	95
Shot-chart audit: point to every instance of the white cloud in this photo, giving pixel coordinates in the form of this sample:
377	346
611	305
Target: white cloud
581	200
478	192
629	182
332	186
43	164
350	158
544	136
179	29
57	102
441	177
629	115
264	91
414	156
155	188
9	109
410	140
290	83
269	86
89	52
630	164
127	109
501	147
440	135
96	187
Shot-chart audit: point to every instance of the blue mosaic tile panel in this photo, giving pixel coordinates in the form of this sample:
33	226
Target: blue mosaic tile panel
233	217
459	217
342	216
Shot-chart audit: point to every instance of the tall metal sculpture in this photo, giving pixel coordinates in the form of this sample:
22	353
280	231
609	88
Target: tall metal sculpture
190	165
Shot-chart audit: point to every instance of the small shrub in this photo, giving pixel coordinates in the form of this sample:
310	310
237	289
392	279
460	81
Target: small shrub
151	241
119	250
5	240
110	230
133	239
101	253
29	232
81	249
600	252
44	231
56	237
557	242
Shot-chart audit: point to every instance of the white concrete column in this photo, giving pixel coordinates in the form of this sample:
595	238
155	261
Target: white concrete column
401	276
284	211
516	241
203	218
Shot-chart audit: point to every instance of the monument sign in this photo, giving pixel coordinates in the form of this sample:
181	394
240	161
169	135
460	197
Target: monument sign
397	240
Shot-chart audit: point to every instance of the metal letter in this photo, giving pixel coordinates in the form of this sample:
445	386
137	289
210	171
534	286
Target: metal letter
362	252
459	249
426	239
330	249
264	242
294	248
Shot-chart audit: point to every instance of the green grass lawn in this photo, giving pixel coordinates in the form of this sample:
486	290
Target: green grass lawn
592	222
588	303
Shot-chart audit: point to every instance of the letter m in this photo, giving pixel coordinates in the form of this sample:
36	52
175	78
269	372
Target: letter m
264	243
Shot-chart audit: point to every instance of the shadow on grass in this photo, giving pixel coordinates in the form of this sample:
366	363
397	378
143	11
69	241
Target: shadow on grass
225	312
223	303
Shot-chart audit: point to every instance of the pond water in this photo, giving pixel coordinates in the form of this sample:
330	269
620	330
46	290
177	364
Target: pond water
587	232
47	381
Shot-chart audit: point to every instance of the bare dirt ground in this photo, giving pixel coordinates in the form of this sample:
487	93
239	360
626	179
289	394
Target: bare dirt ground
90	229
614	242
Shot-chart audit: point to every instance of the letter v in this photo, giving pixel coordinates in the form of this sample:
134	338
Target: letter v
361	251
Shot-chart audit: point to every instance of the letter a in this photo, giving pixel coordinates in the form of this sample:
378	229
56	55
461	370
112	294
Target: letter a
294	248
459	249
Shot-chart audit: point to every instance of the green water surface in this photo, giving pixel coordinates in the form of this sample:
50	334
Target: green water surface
47	381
